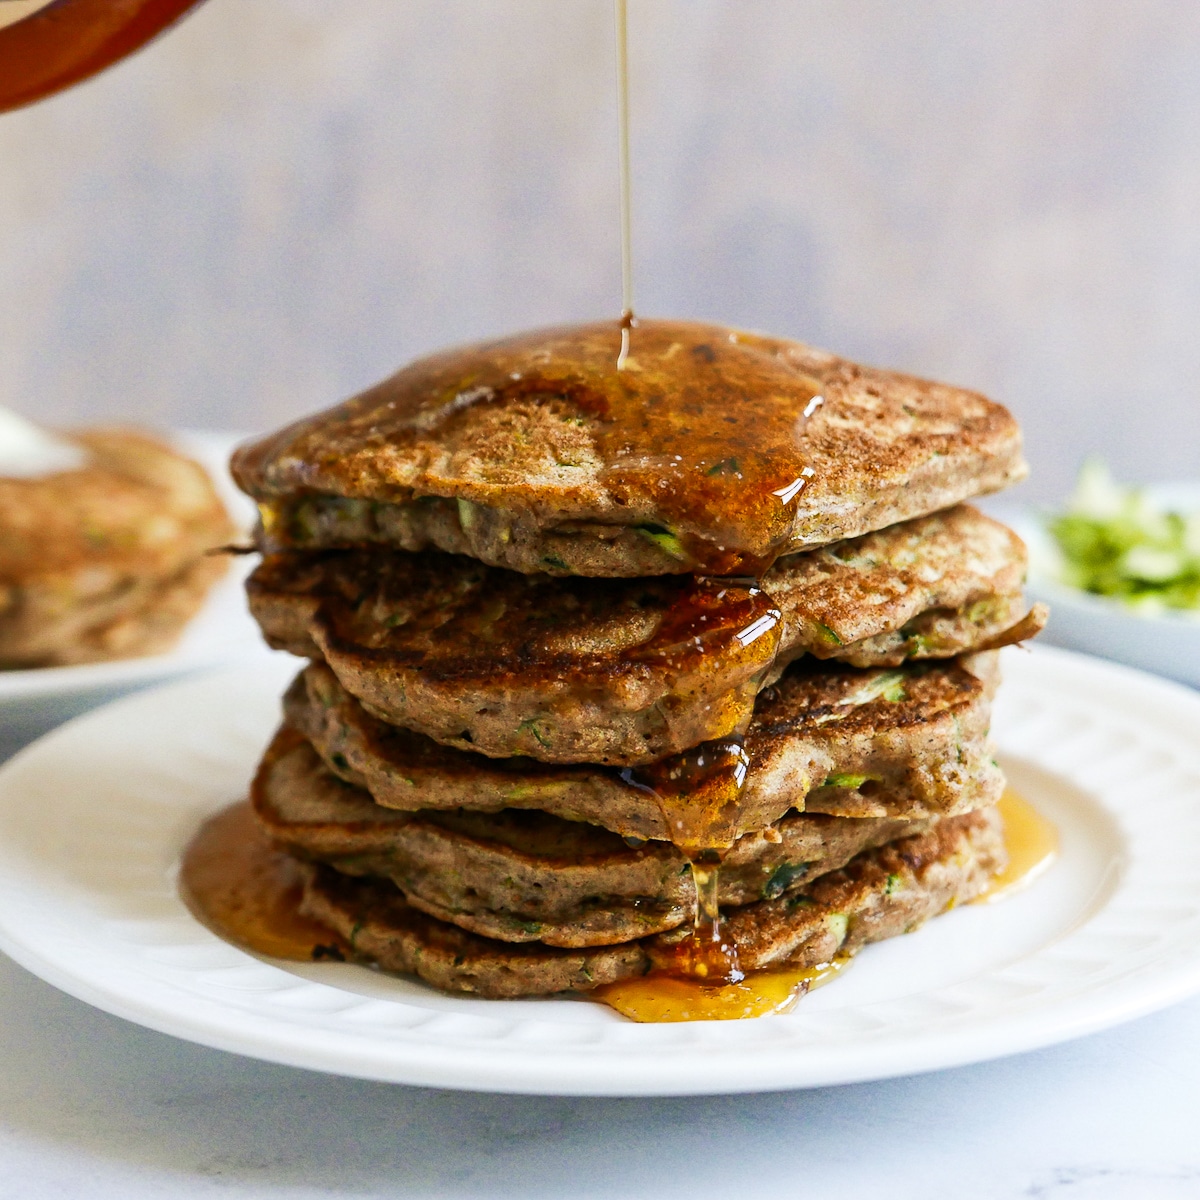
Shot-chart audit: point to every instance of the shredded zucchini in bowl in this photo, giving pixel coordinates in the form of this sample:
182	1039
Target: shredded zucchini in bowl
1114	540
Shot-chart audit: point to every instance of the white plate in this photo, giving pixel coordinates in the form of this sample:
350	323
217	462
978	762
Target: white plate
33	701
92	819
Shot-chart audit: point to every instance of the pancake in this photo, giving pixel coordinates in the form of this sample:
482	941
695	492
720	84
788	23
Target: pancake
934	587
108	560
910	742
880	893
627	671
567	670
521	875
714	452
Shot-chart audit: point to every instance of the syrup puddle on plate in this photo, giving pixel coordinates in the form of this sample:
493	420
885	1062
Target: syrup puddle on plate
247	891
1032	844
660	998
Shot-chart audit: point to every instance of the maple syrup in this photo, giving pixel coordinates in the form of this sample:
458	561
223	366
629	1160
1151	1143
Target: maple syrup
698	794
628	320
661	997
248	891
1032	844
698	442
708	957
708	613
63	43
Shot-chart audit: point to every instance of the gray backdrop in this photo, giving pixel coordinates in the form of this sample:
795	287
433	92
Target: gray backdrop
284	199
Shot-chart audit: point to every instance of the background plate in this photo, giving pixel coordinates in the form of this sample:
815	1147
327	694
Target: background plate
33	701
93	817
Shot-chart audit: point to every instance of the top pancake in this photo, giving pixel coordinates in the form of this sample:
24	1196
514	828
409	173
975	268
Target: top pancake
714	451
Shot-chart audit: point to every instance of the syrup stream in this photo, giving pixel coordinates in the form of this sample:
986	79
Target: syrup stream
706	956
698	794
627	318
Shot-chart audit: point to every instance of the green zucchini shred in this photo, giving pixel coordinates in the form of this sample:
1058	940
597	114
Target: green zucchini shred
664	539
846	781
1114	541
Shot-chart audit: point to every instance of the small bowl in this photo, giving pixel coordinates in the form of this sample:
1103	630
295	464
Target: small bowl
1165	643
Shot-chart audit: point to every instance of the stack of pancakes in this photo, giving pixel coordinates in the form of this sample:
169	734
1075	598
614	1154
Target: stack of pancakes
578	636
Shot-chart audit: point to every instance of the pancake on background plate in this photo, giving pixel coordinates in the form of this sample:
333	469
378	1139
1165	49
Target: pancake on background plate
105	544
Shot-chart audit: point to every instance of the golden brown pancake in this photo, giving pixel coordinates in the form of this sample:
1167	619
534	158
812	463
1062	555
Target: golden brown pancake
910	742
714	452
879	894
618	670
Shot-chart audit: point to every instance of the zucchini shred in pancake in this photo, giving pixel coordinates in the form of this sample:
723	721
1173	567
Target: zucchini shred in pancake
682	669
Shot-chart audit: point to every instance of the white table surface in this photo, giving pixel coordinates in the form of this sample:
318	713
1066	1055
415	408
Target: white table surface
94	1107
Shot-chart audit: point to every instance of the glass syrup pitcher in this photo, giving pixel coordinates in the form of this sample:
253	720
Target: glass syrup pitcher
46	47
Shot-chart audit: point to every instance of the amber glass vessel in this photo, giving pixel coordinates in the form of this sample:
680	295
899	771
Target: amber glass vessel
70	40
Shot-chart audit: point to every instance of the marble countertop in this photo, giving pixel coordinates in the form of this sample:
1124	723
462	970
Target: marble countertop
91	1105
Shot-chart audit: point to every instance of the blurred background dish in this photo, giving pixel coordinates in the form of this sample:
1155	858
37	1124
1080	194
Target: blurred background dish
33	701
110	540
1136	625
